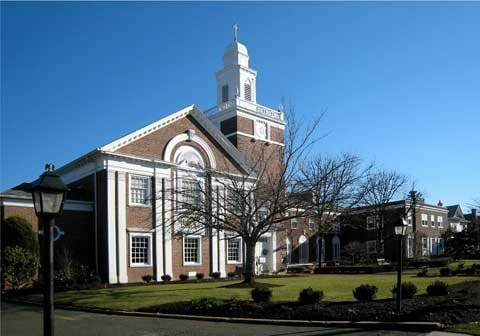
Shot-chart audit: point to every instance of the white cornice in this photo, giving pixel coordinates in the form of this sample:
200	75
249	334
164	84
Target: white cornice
140	133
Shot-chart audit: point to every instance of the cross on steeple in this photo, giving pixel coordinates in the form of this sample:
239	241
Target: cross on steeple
235	32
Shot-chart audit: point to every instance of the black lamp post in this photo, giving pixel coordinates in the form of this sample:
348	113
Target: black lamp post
48	197
400	232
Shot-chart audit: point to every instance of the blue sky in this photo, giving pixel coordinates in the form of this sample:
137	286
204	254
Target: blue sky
400	81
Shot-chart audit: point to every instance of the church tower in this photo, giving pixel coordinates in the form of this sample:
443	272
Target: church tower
251	127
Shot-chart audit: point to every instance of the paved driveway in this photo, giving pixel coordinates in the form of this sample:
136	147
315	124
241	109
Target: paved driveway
25	320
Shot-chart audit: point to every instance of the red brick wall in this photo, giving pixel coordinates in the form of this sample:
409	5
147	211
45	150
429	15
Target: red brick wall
153	145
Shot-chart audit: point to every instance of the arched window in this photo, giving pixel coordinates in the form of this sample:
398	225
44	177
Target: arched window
187	156
224	93
248	91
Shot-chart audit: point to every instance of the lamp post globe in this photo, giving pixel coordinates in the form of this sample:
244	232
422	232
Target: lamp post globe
48	193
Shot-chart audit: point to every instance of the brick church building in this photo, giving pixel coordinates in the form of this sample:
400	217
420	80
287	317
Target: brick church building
116	217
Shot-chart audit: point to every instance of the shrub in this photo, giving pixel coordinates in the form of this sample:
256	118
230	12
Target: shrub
408	290
216	275
438	288
364	293
261	294
206	303
231	274
470	271
18	266
183	277
200	276
17	231
166	277
423	272
445	271
147	278
310	296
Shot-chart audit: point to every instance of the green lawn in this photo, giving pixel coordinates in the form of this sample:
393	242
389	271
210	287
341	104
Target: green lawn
335	287
472	328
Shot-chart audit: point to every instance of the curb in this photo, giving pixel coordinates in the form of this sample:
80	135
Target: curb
402	326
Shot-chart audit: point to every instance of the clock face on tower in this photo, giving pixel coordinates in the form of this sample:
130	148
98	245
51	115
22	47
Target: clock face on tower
261	129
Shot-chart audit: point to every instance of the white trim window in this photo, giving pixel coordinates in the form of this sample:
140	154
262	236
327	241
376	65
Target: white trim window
371	246
192	250
372	222
311	224
432	220
191	193
294	223
139	190
425	249
140	249
424	219
234	251
440	221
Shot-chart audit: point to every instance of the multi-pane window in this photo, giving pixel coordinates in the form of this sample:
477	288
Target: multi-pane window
440	221
191	250
248	91
424	220
432	220
372	222
224	93
294	223
139	250
311	224
371	246
234	250
139	189
190	192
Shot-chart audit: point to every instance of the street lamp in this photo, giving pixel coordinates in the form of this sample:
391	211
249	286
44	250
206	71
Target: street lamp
48	194
400	231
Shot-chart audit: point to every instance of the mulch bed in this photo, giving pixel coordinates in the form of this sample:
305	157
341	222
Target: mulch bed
460	306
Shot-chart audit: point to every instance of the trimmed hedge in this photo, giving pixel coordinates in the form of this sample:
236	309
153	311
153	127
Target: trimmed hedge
183	277
438	288
310	296
216	275
261	294
408	290
354	269
147	278
364	293
199	276
166	277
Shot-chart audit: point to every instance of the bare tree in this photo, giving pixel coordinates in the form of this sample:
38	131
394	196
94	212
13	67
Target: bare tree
334	186
252	204
380	188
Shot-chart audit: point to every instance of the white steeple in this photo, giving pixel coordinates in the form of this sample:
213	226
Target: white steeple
236	79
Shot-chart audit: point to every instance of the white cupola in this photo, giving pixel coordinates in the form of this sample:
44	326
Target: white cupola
236	79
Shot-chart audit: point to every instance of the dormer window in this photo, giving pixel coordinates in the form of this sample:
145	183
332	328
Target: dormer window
224	93
248	91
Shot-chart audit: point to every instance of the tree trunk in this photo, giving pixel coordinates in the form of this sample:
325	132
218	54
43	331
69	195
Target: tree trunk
249	272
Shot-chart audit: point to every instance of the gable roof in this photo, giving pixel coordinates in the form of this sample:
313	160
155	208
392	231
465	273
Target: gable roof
199	117
191	110
455	211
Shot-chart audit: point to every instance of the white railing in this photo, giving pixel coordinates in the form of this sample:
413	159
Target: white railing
237	102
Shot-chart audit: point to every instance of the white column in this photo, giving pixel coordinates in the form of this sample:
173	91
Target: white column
111	228
168	228
222	271
274	251
158	228
215	251
122	228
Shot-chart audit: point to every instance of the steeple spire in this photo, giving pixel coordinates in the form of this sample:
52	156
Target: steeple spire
235	32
